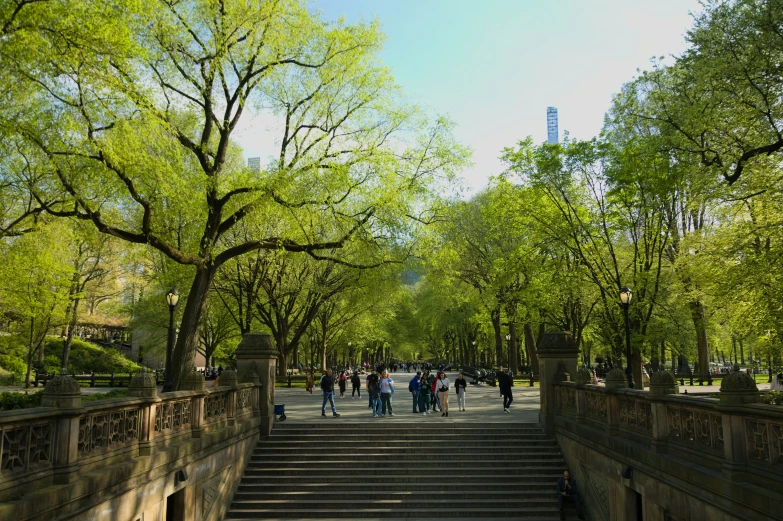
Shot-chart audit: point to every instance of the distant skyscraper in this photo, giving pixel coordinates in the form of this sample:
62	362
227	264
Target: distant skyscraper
254	163
552	132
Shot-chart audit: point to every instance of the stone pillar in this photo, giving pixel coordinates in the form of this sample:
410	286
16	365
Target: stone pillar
229	379
736	390
557	356
143	385
64	392
257	354
194	381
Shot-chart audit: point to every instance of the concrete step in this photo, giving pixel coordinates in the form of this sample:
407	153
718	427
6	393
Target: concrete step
430	511
385	502
510	455
543	475
326	443
514	486
409	462
368	494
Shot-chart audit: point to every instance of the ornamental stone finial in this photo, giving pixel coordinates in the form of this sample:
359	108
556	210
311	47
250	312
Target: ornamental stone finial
62	391
583	376
193	381
738	388
616	379
143	385
663	383
228	378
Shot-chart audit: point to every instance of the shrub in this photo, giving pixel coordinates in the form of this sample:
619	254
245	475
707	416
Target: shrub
86	357
114	393
772	398
13	400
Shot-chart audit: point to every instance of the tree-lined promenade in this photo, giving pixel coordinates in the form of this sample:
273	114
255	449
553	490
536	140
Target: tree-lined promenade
121	177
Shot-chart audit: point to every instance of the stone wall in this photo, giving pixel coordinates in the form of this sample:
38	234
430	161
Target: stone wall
689	459
124	459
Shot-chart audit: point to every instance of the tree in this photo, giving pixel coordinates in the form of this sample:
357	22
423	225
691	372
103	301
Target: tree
151	95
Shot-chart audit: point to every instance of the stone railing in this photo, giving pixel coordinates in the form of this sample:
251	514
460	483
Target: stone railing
55	445
745	438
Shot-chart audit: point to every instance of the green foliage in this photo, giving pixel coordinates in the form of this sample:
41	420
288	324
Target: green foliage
13	400
772	398
87	357
114	393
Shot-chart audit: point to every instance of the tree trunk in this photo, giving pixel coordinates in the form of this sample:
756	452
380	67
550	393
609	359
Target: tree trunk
495	317
530	348
742	351
512	348
74	310
697	314
188	338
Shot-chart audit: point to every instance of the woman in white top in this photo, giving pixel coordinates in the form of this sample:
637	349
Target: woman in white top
776	384
442	387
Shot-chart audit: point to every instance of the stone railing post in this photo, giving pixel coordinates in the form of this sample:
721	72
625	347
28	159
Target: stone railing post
615	379
229	378
256	355
583	377
737	390
194	381
662	383
143	385
557	356
64	392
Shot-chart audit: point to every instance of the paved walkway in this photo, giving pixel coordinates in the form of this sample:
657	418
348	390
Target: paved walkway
482	403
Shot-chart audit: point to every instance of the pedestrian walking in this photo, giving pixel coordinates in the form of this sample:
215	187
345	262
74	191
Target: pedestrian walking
504	382
327	388
341	382
414	386
374	390
356	384
387	389
424	394
434	390
443	393
367	386
310	382
460	384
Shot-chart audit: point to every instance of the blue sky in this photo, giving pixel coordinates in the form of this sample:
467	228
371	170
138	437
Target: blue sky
495	65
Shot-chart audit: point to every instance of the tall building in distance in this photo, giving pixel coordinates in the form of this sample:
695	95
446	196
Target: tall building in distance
254	164
552	132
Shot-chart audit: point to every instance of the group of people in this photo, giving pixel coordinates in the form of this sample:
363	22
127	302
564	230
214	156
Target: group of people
431	391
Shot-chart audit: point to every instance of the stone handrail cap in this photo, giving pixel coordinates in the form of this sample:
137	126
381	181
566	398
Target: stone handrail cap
738	388
663	383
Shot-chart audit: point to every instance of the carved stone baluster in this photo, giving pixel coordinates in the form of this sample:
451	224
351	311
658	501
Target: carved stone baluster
195	382
229	379
143	385
615	379
736	390
63	392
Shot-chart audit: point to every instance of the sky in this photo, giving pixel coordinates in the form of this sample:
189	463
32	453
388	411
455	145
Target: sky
494	66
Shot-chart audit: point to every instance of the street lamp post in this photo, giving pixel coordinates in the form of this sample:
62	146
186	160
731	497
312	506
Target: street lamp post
172	297
625	298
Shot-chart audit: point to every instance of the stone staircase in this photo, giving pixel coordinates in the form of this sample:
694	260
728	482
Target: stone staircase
395	470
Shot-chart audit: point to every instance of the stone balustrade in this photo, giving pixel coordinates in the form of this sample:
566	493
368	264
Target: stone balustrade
749	437
54	445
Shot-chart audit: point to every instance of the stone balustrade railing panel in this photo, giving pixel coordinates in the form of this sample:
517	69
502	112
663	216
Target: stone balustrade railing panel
688	426
111	429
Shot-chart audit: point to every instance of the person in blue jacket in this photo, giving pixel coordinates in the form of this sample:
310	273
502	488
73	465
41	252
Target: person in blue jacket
414	387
